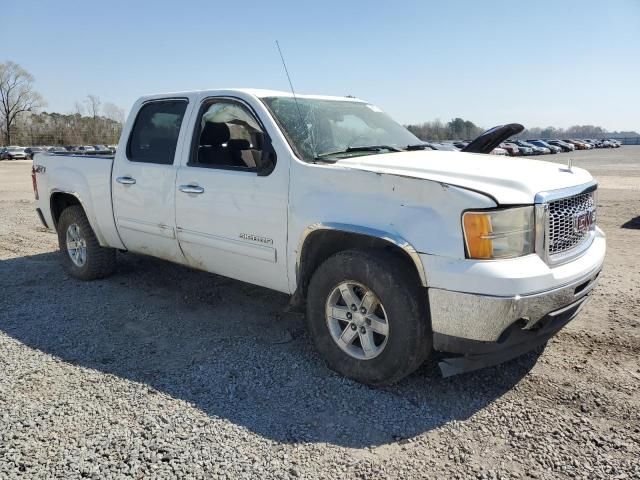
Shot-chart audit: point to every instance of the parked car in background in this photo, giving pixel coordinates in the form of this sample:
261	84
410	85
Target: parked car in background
543	144
31	151
113	148
524	150
511	148
534	150
13	153
57	150
86	149
578	144
566	147
102	149
603	143
614	143
499	151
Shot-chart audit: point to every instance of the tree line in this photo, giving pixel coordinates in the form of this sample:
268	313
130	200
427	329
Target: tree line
65	129
435	130
23	123
460	129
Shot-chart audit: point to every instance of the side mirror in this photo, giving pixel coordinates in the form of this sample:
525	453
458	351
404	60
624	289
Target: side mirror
267	160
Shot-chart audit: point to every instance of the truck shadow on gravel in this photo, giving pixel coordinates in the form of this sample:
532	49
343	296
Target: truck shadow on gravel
633	224
228	348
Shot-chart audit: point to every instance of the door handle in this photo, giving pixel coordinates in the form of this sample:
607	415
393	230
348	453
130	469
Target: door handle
191	189
126	180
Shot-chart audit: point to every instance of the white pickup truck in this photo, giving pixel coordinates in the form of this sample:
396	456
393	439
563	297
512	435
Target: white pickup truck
397	251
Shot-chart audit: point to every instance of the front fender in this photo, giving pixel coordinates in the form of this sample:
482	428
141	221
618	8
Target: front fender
366	231
416	215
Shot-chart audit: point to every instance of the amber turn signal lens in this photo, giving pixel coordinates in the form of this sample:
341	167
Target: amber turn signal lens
477	231
499	233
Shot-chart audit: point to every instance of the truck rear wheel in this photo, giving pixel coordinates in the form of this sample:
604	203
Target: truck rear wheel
82	255
366	317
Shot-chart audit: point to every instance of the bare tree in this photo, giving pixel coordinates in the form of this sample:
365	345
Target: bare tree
16	95
114	112
78	109
93	108
93	105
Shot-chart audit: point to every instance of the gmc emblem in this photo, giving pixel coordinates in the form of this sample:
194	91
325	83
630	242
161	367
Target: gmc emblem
582	222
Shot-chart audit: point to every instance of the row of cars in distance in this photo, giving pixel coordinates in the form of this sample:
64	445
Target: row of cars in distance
27	153
541	147
511	147
534	147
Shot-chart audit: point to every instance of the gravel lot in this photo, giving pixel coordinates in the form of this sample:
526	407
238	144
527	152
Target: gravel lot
160	371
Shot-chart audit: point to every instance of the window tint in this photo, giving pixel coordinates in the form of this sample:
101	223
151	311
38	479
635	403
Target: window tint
155	132
229	137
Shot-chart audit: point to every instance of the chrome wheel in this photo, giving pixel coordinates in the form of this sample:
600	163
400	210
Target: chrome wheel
357	320
76	245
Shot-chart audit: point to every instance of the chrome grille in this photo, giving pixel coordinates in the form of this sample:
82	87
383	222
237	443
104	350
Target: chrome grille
570	222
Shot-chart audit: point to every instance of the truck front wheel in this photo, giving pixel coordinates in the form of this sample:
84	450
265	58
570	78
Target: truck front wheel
367	318
82	255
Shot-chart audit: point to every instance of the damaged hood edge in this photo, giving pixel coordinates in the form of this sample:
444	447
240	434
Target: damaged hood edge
508	180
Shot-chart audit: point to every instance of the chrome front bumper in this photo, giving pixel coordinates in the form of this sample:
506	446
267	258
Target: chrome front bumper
484	318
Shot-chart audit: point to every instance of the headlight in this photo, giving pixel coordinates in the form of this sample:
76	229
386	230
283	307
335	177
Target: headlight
503	233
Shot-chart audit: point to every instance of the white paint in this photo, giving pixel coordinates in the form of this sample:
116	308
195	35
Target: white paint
417	197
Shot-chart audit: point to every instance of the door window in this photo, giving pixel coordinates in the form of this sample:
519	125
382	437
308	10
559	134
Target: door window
155	132
228	137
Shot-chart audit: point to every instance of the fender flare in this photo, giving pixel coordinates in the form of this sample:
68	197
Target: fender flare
91	221
388	237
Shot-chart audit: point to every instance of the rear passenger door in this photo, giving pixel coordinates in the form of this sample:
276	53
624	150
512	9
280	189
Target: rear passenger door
143	179
229	220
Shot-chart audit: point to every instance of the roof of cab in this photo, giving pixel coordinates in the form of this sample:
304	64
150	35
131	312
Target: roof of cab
256	92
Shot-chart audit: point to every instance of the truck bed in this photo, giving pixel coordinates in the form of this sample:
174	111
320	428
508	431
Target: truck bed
87	177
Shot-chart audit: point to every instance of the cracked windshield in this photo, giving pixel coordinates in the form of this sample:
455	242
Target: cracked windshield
332	129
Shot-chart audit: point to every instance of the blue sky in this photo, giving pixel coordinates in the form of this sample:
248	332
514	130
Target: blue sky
538	62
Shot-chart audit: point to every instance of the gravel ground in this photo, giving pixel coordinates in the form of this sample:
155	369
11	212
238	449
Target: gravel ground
160	371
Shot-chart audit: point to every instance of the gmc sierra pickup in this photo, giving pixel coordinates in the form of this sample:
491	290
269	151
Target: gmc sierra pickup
397	251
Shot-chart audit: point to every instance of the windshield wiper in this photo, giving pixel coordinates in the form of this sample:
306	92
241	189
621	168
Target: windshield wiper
367	148
418	146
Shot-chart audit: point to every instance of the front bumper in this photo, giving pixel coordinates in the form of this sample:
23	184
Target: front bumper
485	318
516	342
484	330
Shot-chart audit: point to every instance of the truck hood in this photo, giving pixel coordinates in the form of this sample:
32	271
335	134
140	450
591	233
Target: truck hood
493	137
508	180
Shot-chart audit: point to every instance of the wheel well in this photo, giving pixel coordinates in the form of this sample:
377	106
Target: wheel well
322	244
60	201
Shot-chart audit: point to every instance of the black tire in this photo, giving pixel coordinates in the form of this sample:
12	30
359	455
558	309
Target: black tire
99	263
409	342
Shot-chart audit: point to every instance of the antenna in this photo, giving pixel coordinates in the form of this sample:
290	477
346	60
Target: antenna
295	98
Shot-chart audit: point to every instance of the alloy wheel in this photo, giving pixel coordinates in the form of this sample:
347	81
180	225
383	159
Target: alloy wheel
357	320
